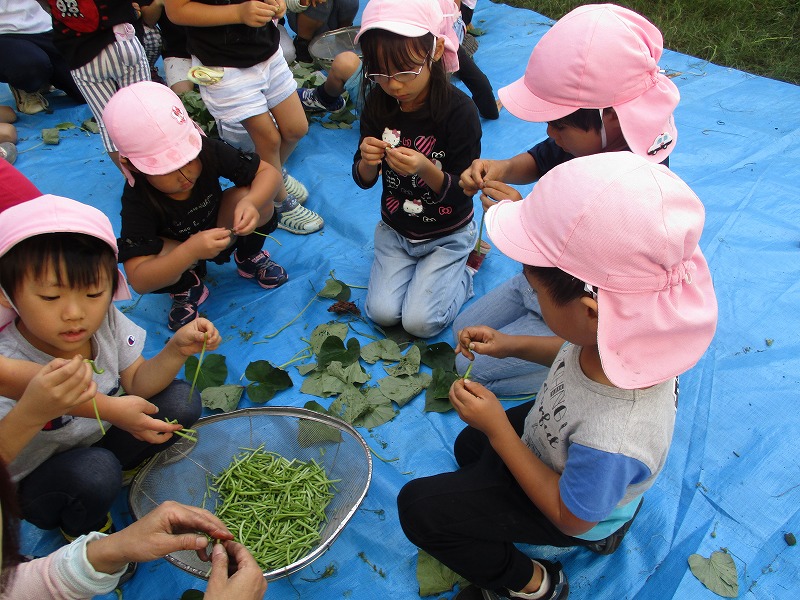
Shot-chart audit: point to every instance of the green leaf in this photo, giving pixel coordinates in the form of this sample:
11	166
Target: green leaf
434	577
267	381
50	136
384	349
224	397
65	126
403	389
408	365
437	395
333	349
326	330
349	405
262	371
306	369
322	384
90	125
353	374
717	573
439	356
378	410
311	433
335	289
214	371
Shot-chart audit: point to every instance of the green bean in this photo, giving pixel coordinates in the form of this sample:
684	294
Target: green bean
185	432
469	369
99	371
199	364
276	506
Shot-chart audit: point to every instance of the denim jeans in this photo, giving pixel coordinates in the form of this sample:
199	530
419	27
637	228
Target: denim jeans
420	285
75	489
510	308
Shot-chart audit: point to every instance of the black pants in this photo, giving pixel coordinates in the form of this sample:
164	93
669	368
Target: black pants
478	85
470	519
31	61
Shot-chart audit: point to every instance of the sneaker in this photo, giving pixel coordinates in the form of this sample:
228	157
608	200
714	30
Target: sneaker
184	305
128	574
558	588
610	544
267	273
8	151
108	527
311	102
301	50
294	187
297	219
30	103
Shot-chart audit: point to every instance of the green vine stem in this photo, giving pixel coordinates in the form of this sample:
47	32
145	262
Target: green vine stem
199	364
272	335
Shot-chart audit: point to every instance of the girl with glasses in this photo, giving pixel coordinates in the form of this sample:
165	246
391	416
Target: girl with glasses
418	132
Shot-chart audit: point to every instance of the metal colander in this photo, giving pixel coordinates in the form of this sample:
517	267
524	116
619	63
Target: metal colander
179	472
325	47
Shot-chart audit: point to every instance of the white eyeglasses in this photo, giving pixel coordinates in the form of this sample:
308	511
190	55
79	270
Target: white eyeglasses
402	76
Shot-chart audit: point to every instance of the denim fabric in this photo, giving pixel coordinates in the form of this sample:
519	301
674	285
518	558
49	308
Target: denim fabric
511	308
421	285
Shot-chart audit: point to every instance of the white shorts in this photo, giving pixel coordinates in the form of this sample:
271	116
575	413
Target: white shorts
176	69
245	93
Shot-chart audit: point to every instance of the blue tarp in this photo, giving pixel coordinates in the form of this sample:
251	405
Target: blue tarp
732	479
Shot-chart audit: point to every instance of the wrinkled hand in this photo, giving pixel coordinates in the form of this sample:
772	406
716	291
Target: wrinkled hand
189	338
494	191
234	574
58	387
475	176
132	414
245	217
406	161
208	243
255	13
483	340
372	151
477	406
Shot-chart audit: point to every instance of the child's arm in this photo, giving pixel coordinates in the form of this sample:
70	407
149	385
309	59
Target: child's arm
250	208
254	13
407	161
372	151
519	169
490	342
151	13
148	377
478	407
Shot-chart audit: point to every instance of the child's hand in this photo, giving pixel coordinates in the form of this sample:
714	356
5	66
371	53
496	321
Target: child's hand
483	340
406	161
474	177
245	217
372	151
207	244
189	339
132	414
255	13
279	6
58	387
494	191
477	406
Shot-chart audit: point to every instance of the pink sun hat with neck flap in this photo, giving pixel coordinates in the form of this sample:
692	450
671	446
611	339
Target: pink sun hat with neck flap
150	127
630	228
54	214
415	18
600	56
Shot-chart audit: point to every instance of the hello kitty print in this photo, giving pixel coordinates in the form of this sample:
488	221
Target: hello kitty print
414	194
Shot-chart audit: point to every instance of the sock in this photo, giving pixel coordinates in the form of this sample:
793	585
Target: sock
544	587
324	96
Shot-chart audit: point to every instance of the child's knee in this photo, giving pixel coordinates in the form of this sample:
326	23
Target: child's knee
175	403
382	314
423	326
294	131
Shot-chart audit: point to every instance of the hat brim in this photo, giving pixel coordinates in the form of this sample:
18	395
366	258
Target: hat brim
403	29
508	230
521	102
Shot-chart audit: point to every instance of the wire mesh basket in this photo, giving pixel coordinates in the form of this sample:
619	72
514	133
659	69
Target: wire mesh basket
180	472
325	47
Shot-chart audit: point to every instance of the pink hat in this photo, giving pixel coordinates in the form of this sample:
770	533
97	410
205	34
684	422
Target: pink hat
54	214
599	56
150	127
415	18
630	228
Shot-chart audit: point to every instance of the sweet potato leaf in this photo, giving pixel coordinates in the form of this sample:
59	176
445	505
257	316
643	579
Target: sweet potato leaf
434	577
354	373
403	389
408	365
334	349
437	394
306	369
384	349
267	381
439	356
717	573
350	404
335	289
322	385
213	372
378	409
310	433
223	397
324	331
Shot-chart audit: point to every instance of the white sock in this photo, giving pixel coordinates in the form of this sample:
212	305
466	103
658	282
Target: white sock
543	587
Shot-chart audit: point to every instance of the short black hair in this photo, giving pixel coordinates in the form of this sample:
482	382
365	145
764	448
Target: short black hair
583	118
563	287
78	258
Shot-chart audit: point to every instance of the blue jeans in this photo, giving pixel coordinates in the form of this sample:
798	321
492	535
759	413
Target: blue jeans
420	285
511	308
75	489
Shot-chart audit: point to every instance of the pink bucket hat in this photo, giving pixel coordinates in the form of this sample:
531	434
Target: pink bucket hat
599	56
150	127
630	228
415	18
54	214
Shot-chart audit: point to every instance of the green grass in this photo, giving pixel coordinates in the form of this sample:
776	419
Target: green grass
757	36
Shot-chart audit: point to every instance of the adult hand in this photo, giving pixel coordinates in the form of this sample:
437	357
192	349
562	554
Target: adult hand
477	406
208	243
475	176
494	191
372	151
58	387
168	528
483	340
234	574
190	338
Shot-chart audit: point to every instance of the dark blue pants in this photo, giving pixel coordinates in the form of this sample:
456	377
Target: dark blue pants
31	61
74	490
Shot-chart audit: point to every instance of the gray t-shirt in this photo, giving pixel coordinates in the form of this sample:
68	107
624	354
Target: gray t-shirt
115	346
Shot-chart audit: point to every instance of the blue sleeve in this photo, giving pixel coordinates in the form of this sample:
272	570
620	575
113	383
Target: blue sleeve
548	155
594	482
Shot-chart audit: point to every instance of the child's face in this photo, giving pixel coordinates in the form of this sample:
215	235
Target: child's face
58	319
178	184
410	95
575	140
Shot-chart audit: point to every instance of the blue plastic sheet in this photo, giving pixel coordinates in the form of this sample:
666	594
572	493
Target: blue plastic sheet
732	479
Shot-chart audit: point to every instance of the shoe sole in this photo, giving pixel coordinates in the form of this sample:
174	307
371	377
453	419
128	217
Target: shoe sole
263	285
298	231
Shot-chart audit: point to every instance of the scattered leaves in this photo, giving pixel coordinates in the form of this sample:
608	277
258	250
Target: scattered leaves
50	136
326	330
310	433
433	577
222	397
65	126
266	381
718	573
335	289
408	365
437	396
196	109
384	349
214	371
333	349
90	125
439	356
344	308
403	389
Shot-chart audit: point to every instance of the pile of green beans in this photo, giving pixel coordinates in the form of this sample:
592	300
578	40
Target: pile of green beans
275	507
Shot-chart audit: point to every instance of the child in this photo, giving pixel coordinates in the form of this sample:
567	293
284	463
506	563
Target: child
609	244
175	215
236	47
8	135
417	132
594	78
58	275
98	40
310	18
